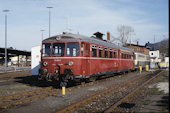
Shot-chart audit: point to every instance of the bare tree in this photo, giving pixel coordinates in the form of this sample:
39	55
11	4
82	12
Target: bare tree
124	34
163	47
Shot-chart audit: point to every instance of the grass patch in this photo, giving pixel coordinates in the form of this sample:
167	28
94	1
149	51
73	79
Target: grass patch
146	102
165	109
155	91
164	77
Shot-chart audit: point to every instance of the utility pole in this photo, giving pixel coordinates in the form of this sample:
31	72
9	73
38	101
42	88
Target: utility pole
6	57
49	18
154	43
42	33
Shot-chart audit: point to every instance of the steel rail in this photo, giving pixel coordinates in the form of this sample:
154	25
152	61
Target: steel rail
94	96
29	99
31	93
40	96
26	93
115	105
12	76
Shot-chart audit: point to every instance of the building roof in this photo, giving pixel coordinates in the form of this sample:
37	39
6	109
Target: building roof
127	44
150	46
13	52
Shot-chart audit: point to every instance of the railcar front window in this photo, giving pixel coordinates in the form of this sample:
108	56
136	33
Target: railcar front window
46	50
72	49
58	49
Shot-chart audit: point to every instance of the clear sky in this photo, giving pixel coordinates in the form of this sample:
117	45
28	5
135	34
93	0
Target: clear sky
27	17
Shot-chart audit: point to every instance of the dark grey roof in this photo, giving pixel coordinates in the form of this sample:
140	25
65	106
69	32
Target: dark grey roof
14	52
76	37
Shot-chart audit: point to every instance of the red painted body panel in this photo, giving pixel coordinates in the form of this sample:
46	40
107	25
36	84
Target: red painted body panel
86	65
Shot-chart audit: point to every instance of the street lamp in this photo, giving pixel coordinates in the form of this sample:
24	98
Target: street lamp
42	33
5	11
49	18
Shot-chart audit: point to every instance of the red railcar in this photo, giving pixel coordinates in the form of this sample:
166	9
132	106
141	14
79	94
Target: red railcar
73	56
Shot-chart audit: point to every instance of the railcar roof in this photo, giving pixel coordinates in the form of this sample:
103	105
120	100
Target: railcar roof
76	37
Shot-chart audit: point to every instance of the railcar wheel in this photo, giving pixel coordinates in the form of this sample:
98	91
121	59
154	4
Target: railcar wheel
40	77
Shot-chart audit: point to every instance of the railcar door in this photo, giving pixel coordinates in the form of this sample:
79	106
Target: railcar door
119	60
87	49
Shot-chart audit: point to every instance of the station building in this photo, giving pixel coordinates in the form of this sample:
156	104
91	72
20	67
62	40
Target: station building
15	57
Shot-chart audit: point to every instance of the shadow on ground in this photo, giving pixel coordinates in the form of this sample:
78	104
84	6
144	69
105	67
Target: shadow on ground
164	103
33	81
127	105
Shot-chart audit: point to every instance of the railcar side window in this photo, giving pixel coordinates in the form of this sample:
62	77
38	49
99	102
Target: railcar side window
111	53
87	49
115	53
46	50
125	56
94	51
82	49
122	55
106	52
58	49
72	49
100	51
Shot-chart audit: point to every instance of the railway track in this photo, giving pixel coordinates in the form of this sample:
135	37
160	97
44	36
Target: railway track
13	75
86	103
27	96
23	97
130	94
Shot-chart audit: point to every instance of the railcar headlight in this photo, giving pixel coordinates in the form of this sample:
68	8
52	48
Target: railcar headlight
45	63
56	71
70	63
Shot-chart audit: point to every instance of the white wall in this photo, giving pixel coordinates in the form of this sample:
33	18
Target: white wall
166	59
35	59
154	54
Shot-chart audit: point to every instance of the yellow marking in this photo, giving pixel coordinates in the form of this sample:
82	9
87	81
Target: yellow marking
165	64
140	68
147	67
63	90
